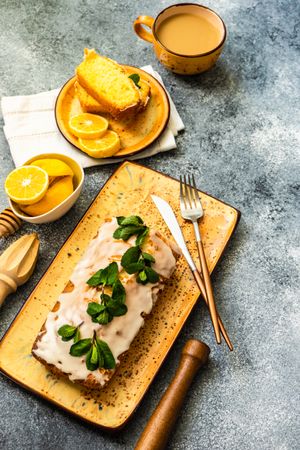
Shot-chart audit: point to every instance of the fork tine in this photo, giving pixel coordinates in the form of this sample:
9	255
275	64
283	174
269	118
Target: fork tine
187	193
196	192
182	198
192	193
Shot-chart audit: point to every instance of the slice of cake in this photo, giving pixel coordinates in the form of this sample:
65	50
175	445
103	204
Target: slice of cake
108	83
87	102
111	291
91	105
145	93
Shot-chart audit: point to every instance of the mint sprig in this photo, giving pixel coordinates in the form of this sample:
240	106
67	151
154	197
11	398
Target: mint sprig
109	306
68	332
136	261
104	312
130	226
107	276
98	353
81	347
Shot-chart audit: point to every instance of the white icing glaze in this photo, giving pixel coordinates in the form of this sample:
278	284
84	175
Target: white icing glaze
121	331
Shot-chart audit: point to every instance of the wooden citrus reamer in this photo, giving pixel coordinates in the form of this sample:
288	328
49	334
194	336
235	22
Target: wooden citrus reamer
17	263
156	433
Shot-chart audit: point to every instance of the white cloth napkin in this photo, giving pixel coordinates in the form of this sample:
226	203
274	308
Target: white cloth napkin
30	129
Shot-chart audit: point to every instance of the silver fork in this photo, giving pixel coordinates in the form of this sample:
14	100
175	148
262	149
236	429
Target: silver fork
191	209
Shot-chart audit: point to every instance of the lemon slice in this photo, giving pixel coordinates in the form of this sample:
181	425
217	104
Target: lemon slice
53	167
104	147
26	184
88	126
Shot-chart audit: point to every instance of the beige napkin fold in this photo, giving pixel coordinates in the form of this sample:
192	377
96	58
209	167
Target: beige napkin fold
30	129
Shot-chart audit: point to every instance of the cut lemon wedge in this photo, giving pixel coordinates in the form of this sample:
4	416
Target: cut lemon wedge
26	184
104	147
61	189
53	167
88	126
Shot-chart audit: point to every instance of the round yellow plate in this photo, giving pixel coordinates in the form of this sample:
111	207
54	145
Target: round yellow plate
135	134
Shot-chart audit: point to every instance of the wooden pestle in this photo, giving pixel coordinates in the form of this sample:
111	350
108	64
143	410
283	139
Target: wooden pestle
155	435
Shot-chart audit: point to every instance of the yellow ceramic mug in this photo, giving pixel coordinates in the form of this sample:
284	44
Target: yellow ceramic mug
184	64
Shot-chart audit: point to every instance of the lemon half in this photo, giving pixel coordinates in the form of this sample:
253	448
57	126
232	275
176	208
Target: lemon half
26	184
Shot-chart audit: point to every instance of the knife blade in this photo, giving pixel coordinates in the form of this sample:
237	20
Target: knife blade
170	219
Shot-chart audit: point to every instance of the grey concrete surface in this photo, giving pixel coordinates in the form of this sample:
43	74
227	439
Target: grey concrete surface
242	142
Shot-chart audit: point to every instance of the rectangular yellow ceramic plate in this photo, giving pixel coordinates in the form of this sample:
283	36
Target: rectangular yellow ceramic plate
126	192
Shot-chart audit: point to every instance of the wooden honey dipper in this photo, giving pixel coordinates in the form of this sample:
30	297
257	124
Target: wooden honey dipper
17	263
9	222
156	433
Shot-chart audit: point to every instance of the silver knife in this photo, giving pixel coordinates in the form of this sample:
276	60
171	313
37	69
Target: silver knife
169	217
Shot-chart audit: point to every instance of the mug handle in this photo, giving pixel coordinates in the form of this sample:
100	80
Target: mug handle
140	30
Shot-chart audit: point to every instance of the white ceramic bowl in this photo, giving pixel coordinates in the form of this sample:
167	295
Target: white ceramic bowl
64	206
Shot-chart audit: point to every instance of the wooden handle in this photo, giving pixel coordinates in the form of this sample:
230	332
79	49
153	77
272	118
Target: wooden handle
201	286
140	30
155	435
9	222
209	292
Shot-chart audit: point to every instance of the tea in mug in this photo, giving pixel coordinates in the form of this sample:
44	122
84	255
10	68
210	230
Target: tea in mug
189	34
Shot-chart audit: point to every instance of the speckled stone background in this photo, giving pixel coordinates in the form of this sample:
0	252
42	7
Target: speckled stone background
242	141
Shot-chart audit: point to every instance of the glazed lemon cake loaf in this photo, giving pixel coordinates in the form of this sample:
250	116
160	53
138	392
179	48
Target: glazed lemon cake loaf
111	291
108	83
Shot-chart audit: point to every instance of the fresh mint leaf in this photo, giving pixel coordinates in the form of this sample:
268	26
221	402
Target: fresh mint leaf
142	237
130	256
104	298
98	317
100	277
126	232
118	233
109	360
148	257
116	309
94	308
92	358
152	276
112	273
100	357
142	277
106	276
67	332
118	292
132	220
135	267
135	78
81	347
77	336
120	219
129	226
104	317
